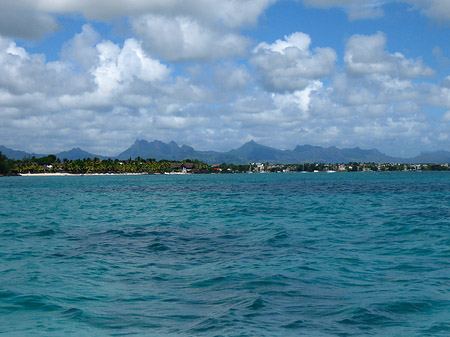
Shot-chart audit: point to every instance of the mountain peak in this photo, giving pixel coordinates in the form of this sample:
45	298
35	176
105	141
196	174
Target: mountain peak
248	152
77	153
306	147
252	144
140	141
155	149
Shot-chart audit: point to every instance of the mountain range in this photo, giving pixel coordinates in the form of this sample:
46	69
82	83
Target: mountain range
249	152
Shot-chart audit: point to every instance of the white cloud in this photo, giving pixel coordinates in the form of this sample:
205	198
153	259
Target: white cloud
133	62
21	18
289	64
366	54
438	96
378	129
27	74
379	83
178	122
183	38
231	13
231	77
366	9
436	9
117	73
35	18
300	99
80	50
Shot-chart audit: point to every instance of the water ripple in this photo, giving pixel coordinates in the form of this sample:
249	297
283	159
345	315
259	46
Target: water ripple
226	255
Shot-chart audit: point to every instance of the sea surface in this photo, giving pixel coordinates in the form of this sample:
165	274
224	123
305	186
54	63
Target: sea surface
317	254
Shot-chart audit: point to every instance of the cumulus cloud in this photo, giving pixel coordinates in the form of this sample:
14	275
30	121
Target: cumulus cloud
22	19
119	72
231	13
436	9
23	73
183	38
377	83
176	30
80	50
439	95
366	54
35	18
231	77
366	9
289	64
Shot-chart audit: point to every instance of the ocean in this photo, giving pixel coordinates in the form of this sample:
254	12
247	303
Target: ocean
292	254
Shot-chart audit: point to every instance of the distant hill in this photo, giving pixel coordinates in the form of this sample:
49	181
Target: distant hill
438	157
247	153
77	153
254	152
317	154
18	155
157	150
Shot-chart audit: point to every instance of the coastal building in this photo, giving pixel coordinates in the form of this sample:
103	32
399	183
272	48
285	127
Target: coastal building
259	167
183	167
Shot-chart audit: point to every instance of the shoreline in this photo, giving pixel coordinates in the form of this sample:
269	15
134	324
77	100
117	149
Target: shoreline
77	174
179	173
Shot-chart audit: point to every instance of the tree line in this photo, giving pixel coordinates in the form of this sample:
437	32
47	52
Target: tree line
52	164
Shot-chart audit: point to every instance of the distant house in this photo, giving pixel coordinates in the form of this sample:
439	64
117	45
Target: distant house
259	167
46	168
189	166
216	167
184	167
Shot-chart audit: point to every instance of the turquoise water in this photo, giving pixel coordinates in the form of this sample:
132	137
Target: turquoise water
344	254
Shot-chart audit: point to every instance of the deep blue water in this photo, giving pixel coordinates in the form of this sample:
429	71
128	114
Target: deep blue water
344	254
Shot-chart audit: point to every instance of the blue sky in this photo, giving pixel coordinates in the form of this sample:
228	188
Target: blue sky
214	74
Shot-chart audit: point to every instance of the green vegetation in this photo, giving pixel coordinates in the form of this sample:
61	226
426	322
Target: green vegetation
51	164
5	164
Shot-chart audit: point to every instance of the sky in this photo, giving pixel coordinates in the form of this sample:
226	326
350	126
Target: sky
214	74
